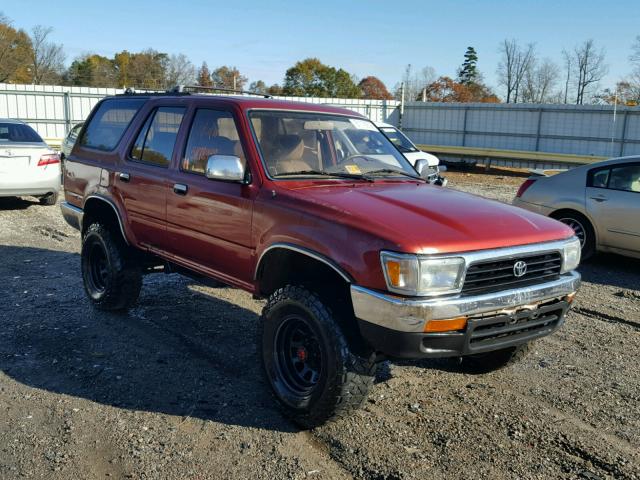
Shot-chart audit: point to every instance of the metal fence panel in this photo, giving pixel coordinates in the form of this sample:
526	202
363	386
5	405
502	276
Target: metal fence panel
571	129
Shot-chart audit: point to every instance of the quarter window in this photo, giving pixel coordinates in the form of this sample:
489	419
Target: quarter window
157	138
109	123
213	132
600	178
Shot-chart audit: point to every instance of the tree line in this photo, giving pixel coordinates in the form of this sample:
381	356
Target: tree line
522	76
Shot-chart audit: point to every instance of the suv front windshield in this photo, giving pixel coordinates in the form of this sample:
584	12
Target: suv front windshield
310	143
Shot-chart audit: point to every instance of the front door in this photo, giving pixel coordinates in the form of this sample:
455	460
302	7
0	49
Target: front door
613	200
209	221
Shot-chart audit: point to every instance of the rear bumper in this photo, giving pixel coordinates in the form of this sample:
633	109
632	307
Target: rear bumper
37	186
72	214
395	326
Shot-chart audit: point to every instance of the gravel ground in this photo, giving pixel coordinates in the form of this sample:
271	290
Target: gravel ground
173	389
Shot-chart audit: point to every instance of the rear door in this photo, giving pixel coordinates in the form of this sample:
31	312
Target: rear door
142	181
613	201
209	221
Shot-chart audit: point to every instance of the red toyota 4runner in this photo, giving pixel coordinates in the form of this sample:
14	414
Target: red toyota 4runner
312	208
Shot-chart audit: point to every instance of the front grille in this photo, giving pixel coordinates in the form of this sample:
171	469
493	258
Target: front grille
495	275
491	330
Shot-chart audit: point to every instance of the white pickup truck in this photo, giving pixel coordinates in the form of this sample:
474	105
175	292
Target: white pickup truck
413	153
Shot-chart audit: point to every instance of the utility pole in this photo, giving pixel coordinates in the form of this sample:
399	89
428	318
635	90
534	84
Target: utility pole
401	105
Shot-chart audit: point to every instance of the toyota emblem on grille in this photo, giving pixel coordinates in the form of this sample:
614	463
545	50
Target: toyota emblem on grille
519	268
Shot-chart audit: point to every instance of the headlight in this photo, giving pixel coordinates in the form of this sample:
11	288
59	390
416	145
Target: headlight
571	255
411	275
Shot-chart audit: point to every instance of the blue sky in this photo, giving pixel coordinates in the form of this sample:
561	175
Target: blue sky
264	38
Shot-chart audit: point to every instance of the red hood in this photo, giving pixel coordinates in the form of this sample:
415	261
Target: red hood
423	218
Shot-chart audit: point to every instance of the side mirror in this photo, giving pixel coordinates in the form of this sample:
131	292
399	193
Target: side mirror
422	167
228	168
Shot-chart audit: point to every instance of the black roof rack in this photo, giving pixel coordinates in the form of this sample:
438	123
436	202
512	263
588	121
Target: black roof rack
146	93
186	89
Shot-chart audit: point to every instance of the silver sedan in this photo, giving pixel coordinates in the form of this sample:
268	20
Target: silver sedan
600	201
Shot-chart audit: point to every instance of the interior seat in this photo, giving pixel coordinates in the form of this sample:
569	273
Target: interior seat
288	154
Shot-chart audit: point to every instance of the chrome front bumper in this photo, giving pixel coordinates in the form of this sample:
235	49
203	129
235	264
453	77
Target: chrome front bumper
410	315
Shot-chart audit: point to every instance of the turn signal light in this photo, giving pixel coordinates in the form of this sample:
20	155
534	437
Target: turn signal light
393	270
49	159
448	325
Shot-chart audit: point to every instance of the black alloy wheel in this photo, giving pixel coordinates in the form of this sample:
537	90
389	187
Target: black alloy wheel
297	356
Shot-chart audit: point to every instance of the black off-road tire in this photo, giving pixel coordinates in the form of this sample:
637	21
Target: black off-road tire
491	361
344	378
111	274
579	223
50	199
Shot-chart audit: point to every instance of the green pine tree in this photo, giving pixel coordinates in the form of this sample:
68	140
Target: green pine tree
468	72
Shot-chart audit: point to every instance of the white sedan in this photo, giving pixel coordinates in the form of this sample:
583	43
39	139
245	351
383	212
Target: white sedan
28	167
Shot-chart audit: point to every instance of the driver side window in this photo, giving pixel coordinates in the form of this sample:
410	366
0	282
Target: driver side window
213	132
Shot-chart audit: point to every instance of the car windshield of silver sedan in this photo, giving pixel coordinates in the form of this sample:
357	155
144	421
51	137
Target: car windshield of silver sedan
399	140
313	144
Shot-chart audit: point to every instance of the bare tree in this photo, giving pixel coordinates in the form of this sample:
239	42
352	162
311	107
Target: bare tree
589	68
539	82
631	86
47	58
415	82
179	71
516	61
635	52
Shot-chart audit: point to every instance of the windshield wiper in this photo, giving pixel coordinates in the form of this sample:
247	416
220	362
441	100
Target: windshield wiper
399	172
351	176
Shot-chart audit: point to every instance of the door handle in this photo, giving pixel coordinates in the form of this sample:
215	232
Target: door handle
125	177
599	199
180	188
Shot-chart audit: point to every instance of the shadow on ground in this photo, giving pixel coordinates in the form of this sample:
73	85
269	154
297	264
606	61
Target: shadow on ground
17	203
179	352
613	270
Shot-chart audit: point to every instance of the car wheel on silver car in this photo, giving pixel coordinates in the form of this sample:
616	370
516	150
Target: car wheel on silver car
582	228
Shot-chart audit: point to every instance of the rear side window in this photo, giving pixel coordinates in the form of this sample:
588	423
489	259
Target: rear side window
625	178
157	138
599	178
73	133
108	124
18	133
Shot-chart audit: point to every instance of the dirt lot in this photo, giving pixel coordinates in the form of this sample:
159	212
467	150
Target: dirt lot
173	389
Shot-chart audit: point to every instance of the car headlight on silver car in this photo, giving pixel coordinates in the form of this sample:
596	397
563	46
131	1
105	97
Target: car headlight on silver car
412	275
571	255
